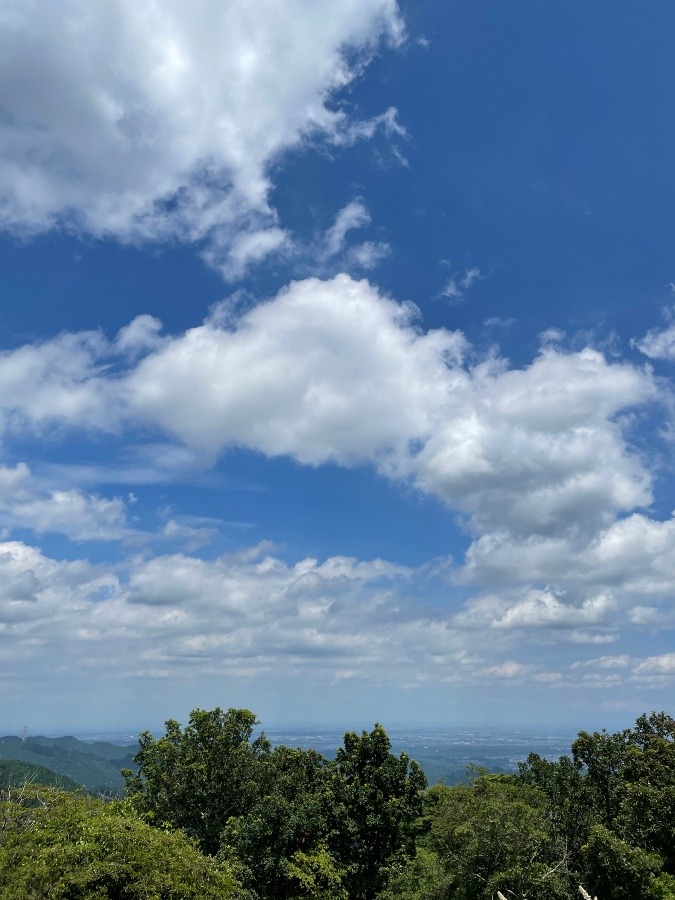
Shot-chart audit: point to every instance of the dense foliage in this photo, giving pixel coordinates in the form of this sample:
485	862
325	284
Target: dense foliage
215	811
67	847
300	824
603	818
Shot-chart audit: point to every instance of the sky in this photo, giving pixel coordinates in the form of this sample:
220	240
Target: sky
336	360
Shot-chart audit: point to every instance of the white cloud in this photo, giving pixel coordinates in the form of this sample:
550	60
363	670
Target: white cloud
153	121
334	371
470	276
57	381
451	290
536	450
12	479
537	609
659	665
327	371
508	669
80	516
353	215
536	458
236	614
632	558
551	336
652	617
545	610
246	248
190	536
334	247
39	595
604	662
140	335
456	286
659	343
387	121
368	255
251	614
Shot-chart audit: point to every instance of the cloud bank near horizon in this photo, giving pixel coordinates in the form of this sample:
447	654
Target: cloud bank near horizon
537	461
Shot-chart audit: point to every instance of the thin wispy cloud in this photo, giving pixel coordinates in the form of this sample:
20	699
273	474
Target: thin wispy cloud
457	286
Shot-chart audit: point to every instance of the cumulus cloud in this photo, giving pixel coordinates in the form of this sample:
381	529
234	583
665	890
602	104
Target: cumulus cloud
139	336
178	617
249	610
80	516
538	609
662	665
536	459
633	554
12	480
655	671
38	593
530	448
326	372
544	609
333	371
57	381
153	121
604	662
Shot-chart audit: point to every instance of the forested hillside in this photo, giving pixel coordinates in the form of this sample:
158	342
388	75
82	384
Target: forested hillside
214	811
16	773
93	765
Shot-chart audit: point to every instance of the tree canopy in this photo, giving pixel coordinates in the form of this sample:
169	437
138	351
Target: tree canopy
295	821
66	847
215	812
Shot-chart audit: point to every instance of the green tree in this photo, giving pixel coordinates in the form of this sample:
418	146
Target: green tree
376	804
422	877
57	846
618	871
568	802
493	835
314	875
198	777
613	804
289	817
602	757
647	815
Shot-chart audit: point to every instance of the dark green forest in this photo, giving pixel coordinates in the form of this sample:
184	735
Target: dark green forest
212	810
93	765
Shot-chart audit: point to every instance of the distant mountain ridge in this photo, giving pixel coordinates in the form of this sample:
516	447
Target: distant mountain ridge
94	766
443	754
14	774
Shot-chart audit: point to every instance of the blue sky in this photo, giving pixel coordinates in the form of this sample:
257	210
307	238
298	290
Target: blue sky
337	345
